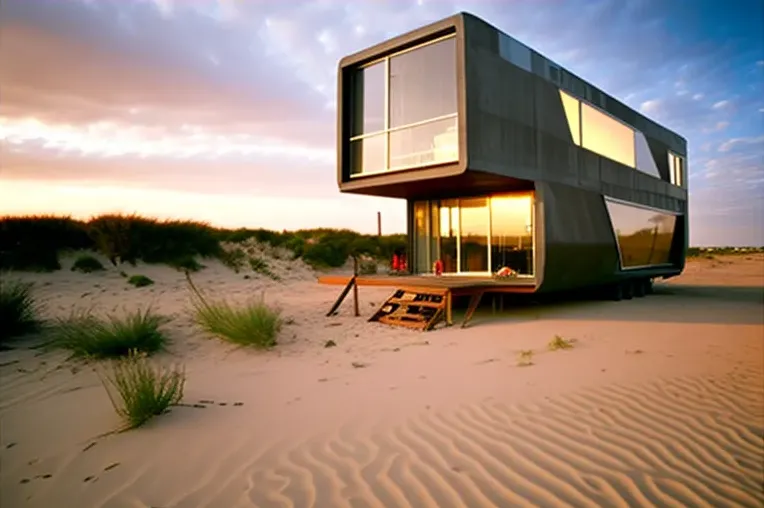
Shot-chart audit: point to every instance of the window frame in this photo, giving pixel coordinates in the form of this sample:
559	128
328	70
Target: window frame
387	130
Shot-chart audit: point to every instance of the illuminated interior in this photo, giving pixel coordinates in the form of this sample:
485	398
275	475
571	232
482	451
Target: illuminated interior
475	236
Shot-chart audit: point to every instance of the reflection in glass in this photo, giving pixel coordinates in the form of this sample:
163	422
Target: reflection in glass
571	105
423	83
606	136
449	229
367	155
512	233
421	236
368	100
644	236
474	235
428	143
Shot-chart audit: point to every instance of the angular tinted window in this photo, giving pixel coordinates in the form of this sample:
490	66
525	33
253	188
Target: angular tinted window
644	236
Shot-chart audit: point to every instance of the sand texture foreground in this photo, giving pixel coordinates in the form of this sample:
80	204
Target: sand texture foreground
660	402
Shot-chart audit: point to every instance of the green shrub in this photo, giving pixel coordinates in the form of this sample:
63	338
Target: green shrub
129	238
140	281
33	243
142	390
19	313
254	324
86	264
89	336
233	258
186	263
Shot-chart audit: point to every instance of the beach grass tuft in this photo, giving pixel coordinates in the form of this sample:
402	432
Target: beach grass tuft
140	389
253	324
86	335
19	311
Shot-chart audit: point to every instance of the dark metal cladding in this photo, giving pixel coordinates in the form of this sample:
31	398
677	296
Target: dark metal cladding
514	134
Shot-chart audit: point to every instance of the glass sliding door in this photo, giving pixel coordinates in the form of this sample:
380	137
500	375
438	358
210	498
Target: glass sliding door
474	236
449	239
512	233
473	231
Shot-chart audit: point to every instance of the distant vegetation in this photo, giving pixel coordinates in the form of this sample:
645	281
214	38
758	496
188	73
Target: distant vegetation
707	251
36	243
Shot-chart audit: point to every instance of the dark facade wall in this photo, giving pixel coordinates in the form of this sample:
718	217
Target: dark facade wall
516	126
579	248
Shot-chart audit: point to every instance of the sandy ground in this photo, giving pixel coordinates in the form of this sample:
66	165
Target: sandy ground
660	403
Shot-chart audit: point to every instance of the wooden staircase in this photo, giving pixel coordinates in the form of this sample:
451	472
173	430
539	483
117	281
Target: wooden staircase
420	309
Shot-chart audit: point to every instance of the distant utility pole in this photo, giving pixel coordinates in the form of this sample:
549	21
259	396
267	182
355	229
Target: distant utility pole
379	223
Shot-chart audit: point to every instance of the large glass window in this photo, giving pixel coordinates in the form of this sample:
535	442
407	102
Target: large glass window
512	233
368	111
644	236
423	83
475	235
411	99
423	144
367	154
607	136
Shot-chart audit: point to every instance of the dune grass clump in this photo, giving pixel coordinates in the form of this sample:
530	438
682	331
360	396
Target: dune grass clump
525	358
139	281
259	265
254	324
233	258
140	390
558	343
87	264
19	312
186	263
33	243
88	336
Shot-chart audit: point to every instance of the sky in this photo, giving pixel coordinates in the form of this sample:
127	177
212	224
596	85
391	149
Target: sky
224	110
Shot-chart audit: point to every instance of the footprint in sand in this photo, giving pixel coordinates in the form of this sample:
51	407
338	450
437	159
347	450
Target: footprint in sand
111	466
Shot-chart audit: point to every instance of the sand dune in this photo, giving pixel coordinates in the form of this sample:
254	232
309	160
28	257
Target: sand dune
660	403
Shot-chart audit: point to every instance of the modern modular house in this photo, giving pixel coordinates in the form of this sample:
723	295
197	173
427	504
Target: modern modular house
507	159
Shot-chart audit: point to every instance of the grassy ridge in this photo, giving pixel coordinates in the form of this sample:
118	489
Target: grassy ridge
36	243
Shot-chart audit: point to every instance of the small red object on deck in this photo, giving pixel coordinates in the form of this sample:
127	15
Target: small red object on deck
438	267
396	264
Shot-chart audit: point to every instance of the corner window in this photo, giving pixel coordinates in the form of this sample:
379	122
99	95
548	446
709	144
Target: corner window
403	110
676	169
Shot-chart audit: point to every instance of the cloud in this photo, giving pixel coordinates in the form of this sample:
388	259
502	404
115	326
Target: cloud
722	104
730	144
235	97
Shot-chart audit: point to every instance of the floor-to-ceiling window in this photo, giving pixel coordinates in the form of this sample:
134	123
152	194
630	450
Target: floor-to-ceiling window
475	222
403	110
512	233
475	235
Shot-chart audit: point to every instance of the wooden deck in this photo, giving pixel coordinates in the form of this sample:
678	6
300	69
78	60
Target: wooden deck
449	286
457	285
